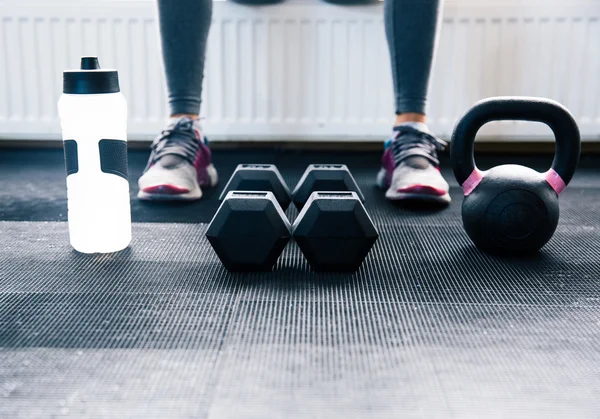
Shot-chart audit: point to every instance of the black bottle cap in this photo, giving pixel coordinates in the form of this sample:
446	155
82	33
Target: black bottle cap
90	79
90	63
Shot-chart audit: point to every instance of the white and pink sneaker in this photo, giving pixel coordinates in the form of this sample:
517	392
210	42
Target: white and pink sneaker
410	166
180	164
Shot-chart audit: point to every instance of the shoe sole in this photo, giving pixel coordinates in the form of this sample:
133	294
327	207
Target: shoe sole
412	196
422	193
168	192
419	193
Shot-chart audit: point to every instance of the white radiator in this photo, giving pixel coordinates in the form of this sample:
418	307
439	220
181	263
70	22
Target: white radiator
303	69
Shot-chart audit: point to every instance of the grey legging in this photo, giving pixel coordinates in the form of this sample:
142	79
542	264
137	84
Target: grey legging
411	27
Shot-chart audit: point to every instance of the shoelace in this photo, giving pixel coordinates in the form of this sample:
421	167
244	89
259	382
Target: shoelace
179	139
415	143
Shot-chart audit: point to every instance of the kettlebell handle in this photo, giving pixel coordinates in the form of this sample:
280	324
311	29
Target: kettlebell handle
551	113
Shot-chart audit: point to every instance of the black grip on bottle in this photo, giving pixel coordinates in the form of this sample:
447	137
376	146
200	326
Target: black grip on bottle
113	157
71	158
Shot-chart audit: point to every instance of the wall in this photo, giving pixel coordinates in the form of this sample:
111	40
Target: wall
304	69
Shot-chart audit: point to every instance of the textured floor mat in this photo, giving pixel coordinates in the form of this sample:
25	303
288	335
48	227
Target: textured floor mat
428	328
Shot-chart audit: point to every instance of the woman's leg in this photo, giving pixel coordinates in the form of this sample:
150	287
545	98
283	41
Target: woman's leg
181	163
410	164
411	28
184	26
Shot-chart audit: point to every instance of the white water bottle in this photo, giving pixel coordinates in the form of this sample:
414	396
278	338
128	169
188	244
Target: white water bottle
93	117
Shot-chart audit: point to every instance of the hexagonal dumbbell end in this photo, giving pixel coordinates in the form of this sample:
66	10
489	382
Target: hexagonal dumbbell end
249	231
324	177
334	231
259	177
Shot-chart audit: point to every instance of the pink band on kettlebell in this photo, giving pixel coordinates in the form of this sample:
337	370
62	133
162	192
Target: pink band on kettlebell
472	181
555	181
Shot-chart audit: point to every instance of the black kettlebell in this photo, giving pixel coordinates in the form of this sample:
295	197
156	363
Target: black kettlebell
512	209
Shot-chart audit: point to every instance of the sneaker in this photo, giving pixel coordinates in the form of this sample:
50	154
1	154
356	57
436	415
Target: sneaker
410	167
180	164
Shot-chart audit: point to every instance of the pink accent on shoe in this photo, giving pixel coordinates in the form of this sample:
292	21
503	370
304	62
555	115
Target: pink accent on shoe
387	161
555	181
472	181
423	190
202	161
165	190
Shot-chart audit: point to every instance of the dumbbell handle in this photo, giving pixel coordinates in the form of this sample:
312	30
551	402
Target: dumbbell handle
547	111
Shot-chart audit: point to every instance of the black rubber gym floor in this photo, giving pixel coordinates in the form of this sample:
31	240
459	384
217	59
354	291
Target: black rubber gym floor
429	327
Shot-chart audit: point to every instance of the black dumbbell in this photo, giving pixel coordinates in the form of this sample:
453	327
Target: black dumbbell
324	177
334	231
249	231
259	177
